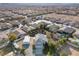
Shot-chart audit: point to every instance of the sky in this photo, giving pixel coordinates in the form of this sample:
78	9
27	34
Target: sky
39	1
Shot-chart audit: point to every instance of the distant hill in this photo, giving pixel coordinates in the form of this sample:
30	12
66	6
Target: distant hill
14	5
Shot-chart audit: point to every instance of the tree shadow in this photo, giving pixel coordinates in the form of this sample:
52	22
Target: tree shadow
65	50
5	50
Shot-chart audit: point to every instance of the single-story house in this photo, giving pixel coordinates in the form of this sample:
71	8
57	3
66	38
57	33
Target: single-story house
39	17
3	39
52	28
15	23
2	20
67	30
5	26
35	25
25	28
19	33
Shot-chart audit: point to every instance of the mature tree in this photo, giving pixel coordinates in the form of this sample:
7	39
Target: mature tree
50	48
62	41
12	37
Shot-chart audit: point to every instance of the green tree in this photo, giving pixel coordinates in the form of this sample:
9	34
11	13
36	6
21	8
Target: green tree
50	48
12	36
62	41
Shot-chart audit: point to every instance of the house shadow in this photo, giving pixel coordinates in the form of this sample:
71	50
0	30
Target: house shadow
5	50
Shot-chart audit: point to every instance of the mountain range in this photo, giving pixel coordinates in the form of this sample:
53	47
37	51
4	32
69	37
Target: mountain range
14	5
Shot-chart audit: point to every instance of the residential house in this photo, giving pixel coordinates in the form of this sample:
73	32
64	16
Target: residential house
15	23
5	26
24	28
2	20
52	28
39	17
19	33
67	31
39	23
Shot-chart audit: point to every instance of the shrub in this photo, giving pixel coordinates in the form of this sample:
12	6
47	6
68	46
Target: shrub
62	41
